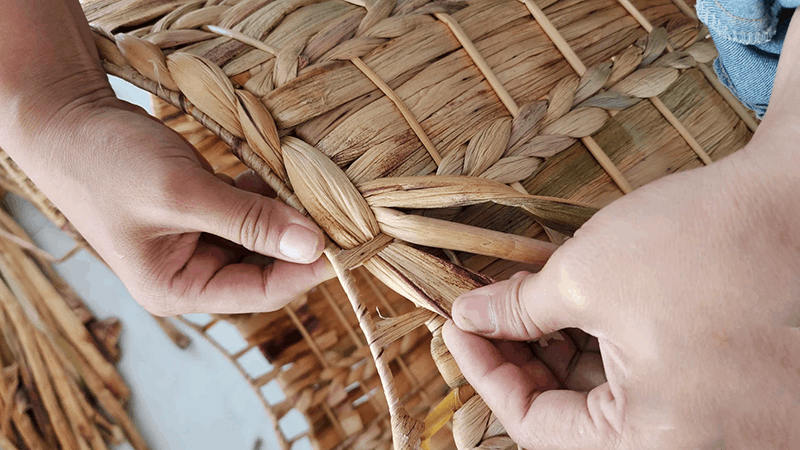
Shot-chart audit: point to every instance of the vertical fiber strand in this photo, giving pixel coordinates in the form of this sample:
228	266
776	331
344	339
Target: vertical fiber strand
476	57
488	73
657	103
687	136
412	121
577	65
351	332
555	37
405	429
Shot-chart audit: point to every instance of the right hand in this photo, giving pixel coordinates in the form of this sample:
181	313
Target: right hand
692	286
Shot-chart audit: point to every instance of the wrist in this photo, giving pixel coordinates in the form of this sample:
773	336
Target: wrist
51	129
49	77
52	104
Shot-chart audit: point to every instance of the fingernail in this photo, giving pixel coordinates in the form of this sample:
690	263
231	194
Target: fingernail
300	244
473	312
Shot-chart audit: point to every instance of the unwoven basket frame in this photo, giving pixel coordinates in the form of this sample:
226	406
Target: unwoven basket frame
407	430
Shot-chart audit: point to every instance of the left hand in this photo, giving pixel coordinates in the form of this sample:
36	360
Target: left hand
180	238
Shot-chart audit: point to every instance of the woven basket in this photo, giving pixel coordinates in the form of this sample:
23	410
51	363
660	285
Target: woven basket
441	145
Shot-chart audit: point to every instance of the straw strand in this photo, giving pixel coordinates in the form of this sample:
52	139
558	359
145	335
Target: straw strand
679	127
243	38
401	106
488	73
405	429
473	53
358	342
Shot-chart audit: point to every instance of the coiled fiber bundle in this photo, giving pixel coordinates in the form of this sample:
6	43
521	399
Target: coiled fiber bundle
440	144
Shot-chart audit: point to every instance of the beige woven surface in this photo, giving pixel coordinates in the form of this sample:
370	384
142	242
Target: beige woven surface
540	120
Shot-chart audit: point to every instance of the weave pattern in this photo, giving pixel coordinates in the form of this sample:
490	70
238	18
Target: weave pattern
441	145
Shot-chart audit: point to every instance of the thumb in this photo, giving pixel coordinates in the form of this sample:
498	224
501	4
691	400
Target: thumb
257	223
523	308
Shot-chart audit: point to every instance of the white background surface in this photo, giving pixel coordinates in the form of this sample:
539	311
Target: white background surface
181	399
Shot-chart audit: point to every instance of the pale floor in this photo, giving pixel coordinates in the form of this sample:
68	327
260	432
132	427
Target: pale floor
182	399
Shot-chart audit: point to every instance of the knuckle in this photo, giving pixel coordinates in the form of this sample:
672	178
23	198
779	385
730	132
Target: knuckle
518	309
271	300
570	273
252	224
605	422
164	295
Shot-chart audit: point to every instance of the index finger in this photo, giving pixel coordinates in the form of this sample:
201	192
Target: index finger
212	282
532	412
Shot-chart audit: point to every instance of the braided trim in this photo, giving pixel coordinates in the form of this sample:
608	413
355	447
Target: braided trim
580	69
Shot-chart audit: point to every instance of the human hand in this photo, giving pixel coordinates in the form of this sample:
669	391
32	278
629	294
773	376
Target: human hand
178	237
181	239
692	287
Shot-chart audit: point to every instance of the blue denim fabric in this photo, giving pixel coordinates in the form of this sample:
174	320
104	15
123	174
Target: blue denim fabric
749	36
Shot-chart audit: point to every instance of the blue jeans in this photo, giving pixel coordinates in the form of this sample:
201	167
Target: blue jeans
749	35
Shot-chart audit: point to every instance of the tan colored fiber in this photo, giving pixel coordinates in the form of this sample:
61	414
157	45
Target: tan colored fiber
354	257
624	87
206	85
470	422
243	38
328	194
147	59
486	147
442	234
682	130
580	69
473	52
555	37
412	122
647	82
260	131
392	329
741	111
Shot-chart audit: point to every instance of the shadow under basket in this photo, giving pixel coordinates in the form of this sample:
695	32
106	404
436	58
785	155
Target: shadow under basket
442	146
